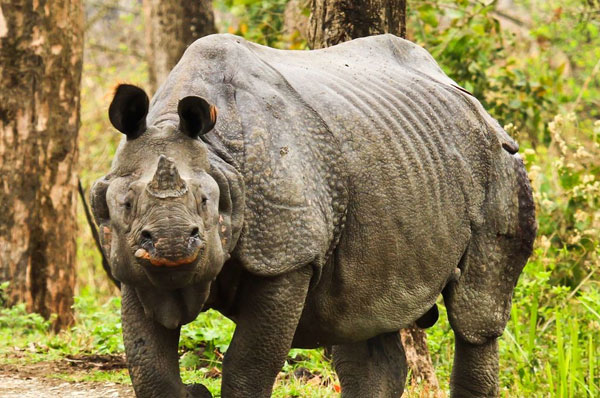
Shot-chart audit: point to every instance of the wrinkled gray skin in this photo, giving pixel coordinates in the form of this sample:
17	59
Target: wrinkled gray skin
339	193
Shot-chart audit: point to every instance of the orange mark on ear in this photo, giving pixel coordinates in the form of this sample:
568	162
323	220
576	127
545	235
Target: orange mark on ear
213	113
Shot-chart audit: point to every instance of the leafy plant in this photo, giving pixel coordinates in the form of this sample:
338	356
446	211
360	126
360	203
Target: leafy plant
100	325
260	21
17	318
467	40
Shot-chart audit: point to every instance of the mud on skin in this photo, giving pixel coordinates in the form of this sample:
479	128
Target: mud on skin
316	198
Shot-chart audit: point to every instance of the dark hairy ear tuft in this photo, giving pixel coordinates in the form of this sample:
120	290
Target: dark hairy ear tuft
128	110
196	116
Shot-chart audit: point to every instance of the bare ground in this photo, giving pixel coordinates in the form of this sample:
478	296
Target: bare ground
39	380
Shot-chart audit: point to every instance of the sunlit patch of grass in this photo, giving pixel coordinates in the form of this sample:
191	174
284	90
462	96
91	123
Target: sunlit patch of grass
112	376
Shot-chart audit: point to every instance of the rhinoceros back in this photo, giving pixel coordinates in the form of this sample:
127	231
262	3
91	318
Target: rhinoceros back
388	103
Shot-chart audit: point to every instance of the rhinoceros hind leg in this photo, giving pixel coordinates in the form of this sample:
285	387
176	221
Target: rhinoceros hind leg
375	368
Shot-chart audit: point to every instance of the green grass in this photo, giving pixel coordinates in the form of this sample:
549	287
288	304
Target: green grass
113	376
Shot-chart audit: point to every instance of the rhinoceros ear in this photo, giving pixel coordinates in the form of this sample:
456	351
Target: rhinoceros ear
128	110
196	116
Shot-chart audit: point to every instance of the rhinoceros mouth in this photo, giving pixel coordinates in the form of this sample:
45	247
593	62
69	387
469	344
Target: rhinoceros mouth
158	261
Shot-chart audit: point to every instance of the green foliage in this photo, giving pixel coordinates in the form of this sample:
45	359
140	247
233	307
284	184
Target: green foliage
468	42
521	76
101	324
97	330
555	322
553	332
567	33
565	176
260	21
209	335
114	376
3	297
18	319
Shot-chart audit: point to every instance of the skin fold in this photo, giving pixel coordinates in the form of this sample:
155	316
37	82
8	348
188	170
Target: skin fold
316	198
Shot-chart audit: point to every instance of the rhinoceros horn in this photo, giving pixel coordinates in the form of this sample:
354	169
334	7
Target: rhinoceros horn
166	182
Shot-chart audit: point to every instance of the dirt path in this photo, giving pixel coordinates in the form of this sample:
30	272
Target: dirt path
33	387
40	380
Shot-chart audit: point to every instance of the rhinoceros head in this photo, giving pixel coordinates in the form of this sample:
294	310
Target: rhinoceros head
164	218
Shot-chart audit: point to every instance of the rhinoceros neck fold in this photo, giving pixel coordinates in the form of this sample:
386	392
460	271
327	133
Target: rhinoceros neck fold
215	145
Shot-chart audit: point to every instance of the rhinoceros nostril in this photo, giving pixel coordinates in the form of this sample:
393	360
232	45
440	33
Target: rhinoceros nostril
146	236
195	233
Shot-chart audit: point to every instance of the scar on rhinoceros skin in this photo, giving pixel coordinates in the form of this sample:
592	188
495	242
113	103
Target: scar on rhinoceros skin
106	239
223	232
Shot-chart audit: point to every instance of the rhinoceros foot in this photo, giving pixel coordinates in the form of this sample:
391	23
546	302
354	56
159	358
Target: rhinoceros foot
197	391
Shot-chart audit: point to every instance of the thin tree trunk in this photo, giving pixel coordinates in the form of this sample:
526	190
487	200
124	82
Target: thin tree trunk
171	26
335	21
41	46
294	18
414	340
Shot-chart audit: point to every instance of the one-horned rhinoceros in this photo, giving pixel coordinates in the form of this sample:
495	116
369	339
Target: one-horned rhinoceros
315	198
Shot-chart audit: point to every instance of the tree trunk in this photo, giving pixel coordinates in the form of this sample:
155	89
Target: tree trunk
294	18
335	21
414	340
41	46
171	26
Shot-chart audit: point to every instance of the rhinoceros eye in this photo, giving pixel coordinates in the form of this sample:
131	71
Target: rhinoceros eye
128	200
128	205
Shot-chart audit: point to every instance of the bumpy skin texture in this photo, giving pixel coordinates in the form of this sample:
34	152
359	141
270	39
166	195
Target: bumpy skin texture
373	368
344	190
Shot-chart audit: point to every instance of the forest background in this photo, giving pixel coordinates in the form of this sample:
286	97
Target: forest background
534	65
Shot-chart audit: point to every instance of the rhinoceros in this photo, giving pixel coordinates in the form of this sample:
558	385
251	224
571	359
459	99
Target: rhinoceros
316	198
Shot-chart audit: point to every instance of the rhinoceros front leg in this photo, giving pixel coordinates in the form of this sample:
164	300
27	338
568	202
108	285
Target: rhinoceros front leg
270	309
152	356
475	369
